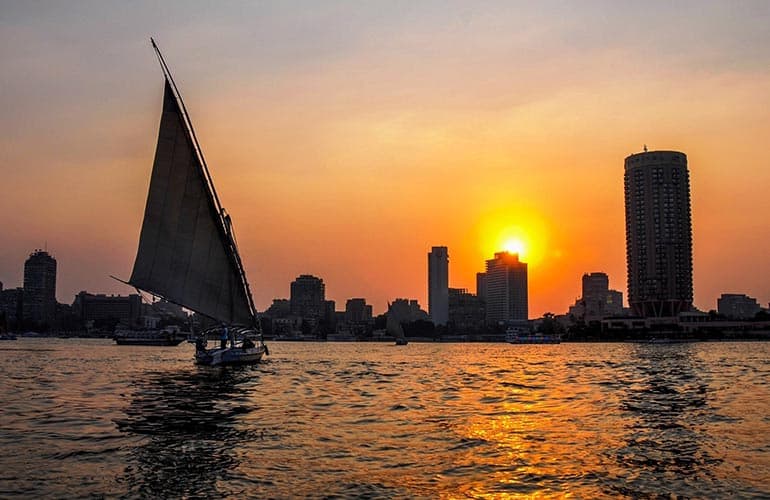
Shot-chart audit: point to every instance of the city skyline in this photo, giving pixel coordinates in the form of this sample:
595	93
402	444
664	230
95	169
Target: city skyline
504	298
348	150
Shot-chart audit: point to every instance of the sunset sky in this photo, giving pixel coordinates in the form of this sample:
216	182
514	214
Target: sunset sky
347	138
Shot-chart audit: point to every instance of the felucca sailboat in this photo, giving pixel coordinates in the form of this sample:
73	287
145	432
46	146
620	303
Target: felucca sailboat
393	327
187	250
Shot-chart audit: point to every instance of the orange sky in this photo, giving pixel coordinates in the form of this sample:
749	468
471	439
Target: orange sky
346	140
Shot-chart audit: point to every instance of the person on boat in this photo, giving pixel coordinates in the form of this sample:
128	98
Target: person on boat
200	343
231	336
223	338
248	344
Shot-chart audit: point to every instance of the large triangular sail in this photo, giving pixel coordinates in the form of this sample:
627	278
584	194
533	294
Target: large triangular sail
186	252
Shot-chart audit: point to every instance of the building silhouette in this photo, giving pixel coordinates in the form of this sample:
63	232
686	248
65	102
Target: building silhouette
595	284
164	309
308	297
357	311
101	308
506	288
438	285
658	233
737	306
280	308
481	286
12	305
40	289
407	310
597	300
466	311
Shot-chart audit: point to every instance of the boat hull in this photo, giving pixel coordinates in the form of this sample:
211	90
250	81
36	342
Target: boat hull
229	356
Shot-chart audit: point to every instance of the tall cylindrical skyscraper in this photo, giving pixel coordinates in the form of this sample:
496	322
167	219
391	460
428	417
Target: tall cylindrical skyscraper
658	233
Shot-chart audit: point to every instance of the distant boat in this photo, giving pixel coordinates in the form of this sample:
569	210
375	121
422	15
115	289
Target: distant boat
517	335
187	250
667	340
162	337
393	328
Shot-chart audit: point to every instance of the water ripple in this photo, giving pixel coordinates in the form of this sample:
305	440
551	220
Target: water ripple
371	421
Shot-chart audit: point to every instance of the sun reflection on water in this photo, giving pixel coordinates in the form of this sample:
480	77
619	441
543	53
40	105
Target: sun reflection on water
373	421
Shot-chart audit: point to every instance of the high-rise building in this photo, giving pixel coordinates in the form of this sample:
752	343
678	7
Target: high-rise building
308	297
658	233
438	285
506	288
40	289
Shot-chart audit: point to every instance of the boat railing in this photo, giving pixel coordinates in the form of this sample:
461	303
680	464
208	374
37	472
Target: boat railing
235	330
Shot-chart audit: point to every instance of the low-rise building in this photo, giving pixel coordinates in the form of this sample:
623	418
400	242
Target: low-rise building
737	306
165	310
101	308
466	311
597	301
280	308
407	310
12	304
358	311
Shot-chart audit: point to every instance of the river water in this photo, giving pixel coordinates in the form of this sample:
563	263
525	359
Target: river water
86	418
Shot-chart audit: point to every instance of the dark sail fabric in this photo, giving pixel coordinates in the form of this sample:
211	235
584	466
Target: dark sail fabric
184	252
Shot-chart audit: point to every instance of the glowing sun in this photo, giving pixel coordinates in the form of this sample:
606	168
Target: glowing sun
515	245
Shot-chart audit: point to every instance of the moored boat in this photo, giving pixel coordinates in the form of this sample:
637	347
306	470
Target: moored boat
534	339
668	340
522	336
